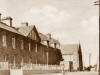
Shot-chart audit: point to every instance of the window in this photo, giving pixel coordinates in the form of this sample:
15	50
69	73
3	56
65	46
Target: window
29	46
13	43
4	40
29	60
35	37
36	48
22	61
22	45
4	58
14	60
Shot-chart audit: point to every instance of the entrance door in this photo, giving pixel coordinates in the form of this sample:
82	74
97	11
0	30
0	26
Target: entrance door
70	66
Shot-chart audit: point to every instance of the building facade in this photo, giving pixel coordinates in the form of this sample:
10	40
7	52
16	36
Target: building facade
23	45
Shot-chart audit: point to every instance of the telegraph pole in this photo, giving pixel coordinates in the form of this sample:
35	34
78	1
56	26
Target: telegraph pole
98	3
47	53
89	59
0	17
99	37
36	52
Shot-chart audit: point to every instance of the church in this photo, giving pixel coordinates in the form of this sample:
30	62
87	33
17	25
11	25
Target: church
72	55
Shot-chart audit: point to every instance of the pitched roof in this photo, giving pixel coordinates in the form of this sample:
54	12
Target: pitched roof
45	38
9	28
25	30
54	41
69	49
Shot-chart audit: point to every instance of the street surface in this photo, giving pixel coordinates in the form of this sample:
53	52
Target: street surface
72	73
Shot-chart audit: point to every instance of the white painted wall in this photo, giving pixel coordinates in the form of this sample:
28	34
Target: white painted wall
73	58
16	72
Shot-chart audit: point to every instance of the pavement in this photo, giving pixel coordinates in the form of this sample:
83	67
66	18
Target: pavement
71	73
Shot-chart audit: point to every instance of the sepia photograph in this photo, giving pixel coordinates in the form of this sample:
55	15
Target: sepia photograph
49	37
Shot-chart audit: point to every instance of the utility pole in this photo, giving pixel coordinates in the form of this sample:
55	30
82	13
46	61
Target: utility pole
47	58
98	3
89	59
36	53
0	17
47	53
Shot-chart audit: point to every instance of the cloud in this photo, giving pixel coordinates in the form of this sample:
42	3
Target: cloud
47	18
90	32
86	32
61	18
91	25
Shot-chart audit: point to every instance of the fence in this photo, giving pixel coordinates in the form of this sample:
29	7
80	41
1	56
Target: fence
4	65
41	67
25	66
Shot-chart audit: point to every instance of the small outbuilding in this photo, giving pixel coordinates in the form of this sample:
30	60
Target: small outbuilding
72	55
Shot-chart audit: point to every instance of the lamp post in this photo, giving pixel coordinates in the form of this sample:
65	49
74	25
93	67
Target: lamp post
98	3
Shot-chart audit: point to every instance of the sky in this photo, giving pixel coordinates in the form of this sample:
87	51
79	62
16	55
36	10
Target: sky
69	21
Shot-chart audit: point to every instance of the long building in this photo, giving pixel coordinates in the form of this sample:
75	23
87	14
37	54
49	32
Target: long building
24	45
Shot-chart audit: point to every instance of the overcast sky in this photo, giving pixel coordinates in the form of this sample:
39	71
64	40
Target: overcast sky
69	21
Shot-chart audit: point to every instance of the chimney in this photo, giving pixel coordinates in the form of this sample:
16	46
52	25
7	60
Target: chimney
10	21
0	17
25	23
55	45
47	43
8	18
49	36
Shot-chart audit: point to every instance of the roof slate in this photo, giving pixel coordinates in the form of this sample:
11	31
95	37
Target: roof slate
25	30
69	49
11	29
45	38
54	41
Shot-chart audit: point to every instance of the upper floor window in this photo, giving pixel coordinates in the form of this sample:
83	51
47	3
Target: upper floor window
35	47
29	46
4	40
13	42
35	37
22	44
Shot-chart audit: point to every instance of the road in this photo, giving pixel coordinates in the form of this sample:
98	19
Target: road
71	73
81	73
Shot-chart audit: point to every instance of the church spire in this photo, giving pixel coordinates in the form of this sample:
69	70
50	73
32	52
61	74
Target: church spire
80	58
